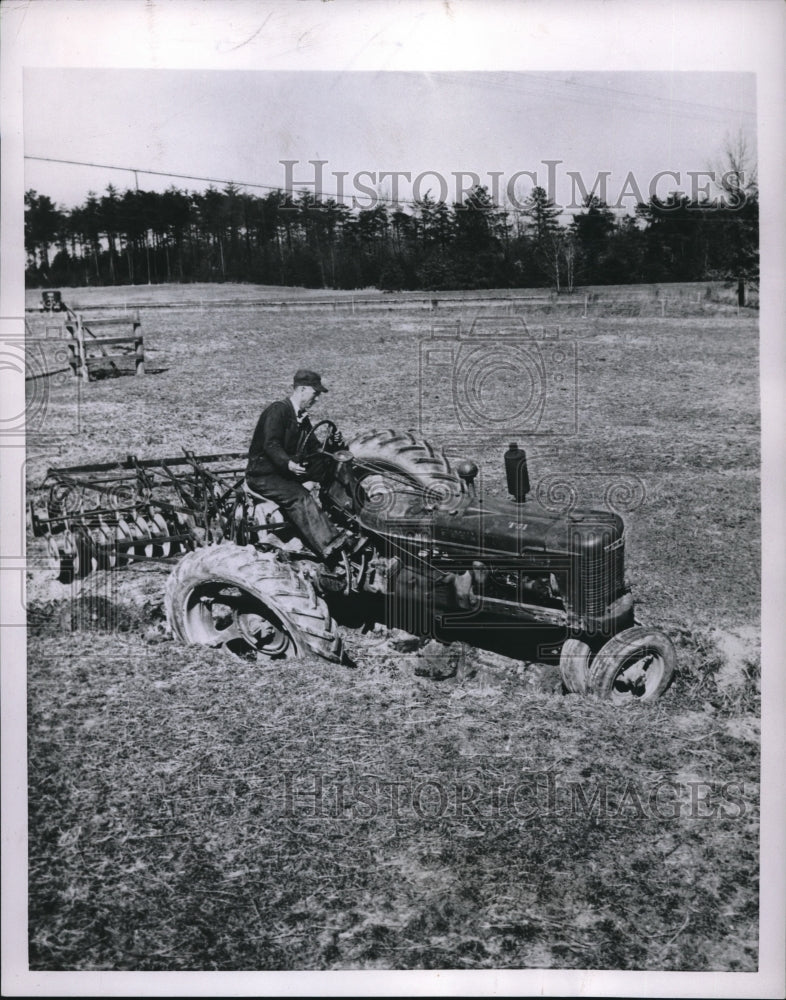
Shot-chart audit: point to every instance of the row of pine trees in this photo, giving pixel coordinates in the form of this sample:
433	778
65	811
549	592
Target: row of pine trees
141	237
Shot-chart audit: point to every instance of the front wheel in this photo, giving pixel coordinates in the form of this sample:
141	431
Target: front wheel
248	602
635	665
573	665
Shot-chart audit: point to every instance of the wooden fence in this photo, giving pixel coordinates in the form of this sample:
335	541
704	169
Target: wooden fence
83	343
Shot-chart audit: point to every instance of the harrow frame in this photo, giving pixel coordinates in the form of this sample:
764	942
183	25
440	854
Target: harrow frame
106	515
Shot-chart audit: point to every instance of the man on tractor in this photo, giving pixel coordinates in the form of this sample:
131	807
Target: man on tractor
281	442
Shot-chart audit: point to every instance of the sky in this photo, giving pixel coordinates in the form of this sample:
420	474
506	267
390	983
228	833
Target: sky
239	125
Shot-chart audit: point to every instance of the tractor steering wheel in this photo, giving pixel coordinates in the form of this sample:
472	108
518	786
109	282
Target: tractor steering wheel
332	431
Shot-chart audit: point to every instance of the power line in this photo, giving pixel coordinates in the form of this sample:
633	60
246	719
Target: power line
218	180
156	173
210	180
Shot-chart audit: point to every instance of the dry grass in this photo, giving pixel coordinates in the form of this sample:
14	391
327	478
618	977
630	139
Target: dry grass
171	825
176	824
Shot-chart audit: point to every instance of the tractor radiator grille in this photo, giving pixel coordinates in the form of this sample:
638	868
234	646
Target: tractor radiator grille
597	570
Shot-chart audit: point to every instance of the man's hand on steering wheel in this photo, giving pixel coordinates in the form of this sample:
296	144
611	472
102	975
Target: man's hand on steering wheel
333	439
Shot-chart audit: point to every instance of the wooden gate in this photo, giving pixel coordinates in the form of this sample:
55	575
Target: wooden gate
125	350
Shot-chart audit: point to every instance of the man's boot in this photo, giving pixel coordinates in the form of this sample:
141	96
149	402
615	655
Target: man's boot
382	575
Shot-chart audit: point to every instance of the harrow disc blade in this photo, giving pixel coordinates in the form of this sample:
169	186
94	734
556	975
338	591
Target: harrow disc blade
161	528
143	533
91	555
123	536
105	546
85	559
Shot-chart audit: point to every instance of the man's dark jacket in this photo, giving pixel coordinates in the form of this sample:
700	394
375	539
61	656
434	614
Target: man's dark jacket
278	438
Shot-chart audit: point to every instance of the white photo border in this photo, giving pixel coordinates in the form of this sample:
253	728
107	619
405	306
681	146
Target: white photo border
347	35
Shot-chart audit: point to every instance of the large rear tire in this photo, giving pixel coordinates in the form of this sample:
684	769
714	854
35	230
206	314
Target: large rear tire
400	468
251	603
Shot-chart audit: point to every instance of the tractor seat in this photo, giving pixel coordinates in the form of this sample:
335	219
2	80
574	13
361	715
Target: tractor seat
265	511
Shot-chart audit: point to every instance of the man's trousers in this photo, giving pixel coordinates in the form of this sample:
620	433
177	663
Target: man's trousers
313	525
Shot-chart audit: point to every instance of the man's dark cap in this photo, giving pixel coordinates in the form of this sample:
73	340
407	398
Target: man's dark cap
305	377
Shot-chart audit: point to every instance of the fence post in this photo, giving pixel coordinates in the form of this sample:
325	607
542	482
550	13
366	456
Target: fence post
586	302
72	361
80	336
663	307
139	346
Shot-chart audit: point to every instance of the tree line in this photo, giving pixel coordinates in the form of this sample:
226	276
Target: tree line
140	237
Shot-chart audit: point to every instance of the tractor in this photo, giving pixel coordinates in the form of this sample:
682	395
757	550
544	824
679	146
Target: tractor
427	552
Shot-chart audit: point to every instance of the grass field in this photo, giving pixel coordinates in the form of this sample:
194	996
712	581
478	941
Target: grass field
190	812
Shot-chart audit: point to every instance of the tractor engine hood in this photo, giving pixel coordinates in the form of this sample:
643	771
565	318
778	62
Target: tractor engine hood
502	527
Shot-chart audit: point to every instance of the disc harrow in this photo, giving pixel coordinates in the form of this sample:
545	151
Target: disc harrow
105	516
